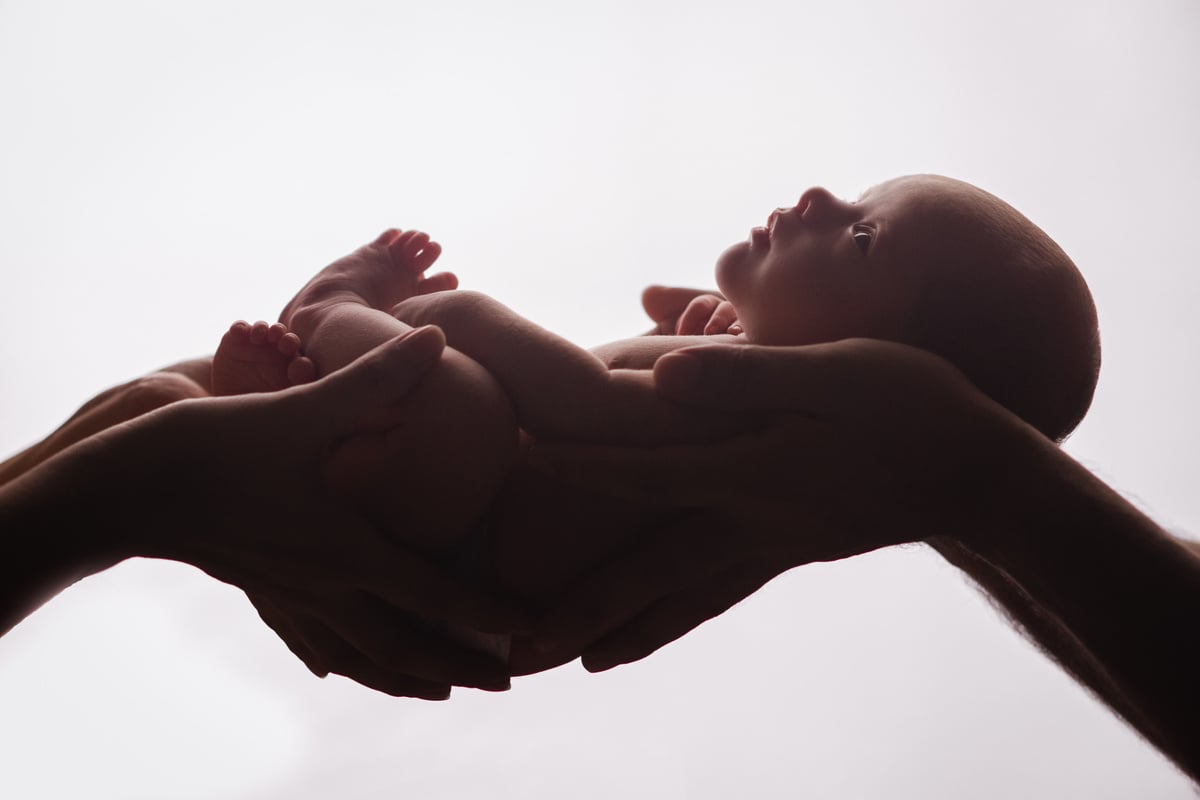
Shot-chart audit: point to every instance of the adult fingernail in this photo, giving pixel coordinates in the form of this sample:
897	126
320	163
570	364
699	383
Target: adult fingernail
678	373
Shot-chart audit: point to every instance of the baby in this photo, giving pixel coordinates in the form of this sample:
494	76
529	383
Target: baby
923	260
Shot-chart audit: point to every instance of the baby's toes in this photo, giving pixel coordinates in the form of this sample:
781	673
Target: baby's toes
289	344
429	254
236	337
406	247
258	332
386	238
275	333
239	330
441	282
397	246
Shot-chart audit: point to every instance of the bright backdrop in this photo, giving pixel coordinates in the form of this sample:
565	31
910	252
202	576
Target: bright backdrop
166	168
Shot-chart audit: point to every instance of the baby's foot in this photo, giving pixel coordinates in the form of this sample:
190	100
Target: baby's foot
379	275
259	358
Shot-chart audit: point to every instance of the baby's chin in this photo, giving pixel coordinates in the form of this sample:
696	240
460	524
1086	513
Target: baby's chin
729	264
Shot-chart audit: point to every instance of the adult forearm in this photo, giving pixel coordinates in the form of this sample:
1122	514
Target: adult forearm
59	522
1105	591
1044	630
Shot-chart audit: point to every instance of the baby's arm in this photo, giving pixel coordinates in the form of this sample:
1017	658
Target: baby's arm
560	390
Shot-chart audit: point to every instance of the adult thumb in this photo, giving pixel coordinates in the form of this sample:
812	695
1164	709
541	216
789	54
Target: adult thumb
372	385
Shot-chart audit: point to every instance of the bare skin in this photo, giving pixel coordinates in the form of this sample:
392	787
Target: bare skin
259	358
331	585
433	477
442	473
1097	585
820	270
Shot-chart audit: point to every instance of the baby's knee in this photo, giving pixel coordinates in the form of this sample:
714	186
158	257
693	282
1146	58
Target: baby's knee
447	309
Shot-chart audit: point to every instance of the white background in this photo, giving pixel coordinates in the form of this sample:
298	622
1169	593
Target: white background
166	168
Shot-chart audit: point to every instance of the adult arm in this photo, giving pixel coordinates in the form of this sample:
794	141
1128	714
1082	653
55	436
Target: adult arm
882	444
234	486
187	379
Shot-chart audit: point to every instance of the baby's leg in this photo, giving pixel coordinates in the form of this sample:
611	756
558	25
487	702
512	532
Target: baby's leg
258	358
343	312
432	477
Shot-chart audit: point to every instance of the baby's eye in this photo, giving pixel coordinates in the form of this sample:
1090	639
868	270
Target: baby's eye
862	235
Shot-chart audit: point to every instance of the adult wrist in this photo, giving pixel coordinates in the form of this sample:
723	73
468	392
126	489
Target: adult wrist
1008	469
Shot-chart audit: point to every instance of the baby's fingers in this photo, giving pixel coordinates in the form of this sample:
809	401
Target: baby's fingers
695	317
722	318
663	303
441	282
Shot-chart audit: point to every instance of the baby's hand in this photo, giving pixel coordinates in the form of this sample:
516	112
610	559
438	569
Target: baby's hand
708	315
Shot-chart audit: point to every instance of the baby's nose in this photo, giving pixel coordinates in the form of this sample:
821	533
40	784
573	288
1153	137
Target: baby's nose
818	204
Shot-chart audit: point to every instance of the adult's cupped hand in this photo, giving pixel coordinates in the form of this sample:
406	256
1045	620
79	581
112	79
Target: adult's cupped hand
342	596
860	444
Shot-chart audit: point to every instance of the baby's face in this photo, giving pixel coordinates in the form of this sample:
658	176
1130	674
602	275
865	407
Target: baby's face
827	269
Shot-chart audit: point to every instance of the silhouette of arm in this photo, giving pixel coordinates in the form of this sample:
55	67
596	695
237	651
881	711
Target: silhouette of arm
877	444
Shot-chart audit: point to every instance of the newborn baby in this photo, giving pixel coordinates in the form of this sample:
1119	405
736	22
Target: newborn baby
923	260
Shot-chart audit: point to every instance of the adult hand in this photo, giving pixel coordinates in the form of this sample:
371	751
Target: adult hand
863	444
338	592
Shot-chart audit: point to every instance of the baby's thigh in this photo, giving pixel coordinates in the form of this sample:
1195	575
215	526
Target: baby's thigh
442	464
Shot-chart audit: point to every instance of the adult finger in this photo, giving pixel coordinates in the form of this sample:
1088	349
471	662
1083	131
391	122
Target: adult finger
347	660
402	645
323	651
819	379
677	556
676	615
405	580
286	630
747	377
372	385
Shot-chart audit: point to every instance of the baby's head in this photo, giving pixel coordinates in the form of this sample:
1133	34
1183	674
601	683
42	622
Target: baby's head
935	263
